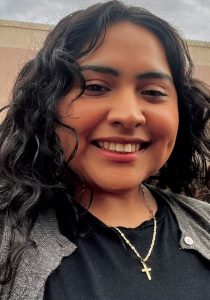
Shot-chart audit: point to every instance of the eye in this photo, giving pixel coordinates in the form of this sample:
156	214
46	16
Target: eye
153	93
95	89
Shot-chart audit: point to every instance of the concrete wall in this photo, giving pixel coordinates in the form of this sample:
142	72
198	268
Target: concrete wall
19	41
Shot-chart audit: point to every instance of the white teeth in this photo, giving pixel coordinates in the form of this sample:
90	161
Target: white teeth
128	147
112	146
133	148
118	147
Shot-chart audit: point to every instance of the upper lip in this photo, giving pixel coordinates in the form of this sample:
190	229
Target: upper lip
122	140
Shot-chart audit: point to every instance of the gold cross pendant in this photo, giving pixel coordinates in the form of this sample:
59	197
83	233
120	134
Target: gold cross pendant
147	271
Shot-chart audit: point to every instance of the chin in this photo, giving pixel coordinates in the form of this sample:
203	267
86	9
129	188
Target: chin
115	186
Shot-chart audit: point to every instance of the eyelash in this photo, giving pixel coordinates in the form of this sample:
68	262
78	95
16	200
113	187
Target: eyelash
153	93
95	89
98	89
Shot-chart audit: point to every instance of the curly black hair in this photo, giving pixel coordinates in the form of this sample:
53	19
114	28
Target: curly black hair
32	167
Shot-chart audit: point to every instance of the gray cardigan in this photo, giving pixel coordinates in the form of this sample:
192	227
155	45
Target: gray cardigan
193	217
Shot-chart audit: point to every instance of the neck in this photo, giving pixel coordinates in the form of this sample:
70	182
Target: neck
126	208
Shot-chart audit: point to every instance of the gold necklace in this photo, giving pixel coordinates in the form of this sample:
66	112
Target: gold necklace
147	270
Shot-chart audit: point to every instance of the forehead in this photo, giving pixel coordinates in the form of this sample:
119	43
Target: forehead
131	44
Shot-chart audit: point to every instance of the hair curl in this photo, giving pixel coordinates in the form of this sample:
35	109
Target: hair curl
32	168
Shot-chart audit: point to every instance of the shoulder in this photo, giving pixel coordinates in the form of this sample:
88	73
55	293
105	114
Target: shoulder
193	219
185	205
49	249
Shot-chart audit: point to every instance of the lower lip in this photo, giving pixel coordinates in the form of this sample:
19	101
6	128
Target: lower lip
119	157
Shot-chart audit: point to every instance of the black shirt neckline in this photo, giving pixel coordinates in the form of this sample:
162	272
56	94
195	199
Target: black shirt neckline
89	222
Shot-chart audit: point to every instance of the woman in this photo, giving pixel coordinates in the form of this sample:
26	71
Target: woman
106	108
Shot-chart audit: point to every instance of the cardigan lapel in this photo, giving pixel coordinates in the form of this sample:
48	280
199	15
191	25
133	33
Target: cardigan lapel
39	262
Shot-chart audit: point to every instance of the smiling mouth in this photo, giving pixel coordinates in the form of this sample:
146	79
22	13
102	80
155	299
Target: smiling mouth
121	147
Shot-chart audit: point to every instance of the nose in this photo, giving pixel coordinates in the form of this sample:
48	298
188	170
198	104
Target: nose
126	111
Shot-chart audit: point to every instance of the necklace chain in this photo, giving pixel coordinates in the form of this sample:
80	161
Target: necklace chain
143	260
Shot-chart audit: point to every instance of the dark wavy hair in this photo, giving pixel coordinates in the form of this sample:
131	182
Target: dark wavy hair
32	167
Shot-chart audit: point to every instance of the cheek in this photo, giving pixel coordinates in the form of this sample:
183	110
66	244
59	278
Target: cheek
84	120
167	121
164	129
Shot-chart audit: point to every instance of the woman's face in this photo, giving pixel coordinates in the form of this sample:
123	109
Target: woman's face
127	118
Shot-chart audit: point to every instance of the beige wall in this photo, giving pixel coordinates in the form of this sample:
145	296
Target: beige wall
200	53
19	41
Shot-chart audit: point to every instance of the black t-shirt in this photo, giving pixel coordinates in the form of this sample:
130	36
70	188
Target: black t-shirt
102	268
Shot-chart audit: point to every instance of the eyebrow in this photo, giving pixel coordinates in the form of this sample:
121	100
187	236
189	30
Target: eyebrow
139	76
100	69
154	75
